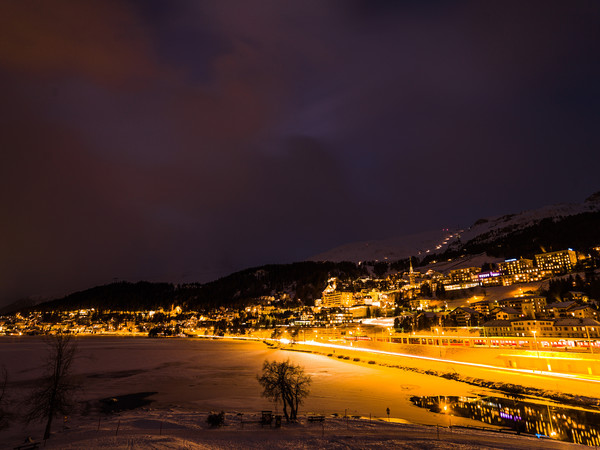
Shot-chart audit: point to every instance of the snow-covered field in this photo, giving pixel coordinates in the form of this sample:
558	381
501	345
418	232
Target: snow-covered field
193	377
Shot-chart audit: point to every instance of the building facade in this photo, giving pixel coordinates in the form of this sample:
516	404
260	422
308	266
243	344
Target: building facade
557	262
515	266
556	328
464	275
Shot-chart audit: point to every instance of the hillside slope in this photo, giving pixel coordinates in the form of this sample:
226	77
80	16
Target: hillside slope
302	281
392	249
554	227
492	228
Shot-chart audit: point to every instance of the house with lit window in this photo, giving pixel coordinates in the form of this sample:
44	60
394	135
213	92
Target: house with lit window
334	299
557	262
529	305
555	328
515	266
583	312
576	328
465	317
464	275
491	278
578	296
527	328
507	313
560	309
482	307
497	327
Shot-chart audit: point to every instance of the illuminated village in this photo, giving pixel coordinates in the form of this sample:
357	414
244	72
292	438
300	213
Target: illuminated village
417	307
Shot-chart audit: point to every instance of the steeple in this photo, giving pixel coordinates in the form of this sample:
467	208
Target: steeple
411	273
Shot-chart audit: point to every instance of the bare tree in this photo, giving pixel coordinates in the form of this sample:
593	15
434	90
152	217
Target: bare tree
285	382
55	393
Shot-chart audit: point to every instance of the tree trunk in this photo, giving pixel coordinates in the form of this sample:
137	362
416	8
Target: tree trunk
289	399
48	425
51	407
295	400
287	417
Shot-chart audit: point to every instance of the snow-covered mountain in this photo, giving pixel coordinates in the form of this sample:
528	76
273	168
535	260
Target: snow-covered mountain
393	249
491	228
432	242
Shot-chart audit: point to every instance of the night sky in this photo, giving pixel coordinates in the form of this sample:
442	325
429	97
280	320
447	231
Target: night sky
182	140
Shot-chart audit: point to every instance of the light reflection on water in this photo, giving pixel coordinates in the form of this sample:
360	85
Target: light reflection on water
543	419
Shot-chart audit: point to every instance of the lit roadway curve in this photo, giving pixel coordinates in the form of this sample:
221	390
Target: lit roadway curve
463	363
557	375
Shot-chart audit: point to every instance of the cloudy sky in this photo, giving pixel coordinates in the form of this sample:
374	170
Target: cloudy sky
182	140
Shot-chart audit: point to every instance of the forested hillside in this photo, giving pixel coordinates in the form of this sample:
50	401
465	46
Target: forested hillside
297	282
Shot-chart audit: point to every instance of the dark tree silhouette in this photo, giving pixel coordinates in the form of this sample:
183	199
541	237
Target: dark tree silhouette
380	269
426	290
285	382
55	393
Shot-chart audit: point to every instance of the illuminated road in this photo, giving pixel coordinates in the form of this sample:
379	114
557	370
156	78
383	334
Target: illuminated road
328	345
591	379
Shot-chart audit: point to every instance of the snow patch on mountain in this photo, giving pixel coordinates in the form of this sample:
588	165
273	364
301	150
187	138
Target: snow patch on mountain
491	228
393	249
461	262
437	241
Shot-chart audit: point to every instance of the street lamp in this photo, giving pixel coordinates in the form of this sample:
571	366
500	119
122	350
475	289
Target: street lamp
536	344
589	340
485	339
439	343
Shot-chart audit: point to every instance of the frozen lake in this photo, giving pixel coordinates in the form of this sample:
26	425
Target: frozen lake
221	375
199	376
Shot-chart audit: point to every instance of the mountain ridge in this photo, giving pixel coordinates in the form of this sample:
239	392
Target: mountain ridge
514	235
482	231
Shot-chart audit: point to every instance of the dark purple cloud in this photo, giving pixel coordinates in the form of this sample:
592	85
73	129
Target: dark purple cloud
182	140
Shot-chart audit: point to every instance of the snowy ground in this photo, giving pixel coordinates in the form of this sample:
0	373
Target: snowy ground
175	429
